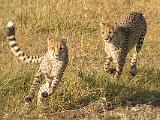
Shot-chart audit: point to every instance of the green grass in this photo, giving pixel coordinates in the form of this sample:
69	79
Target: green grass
84	80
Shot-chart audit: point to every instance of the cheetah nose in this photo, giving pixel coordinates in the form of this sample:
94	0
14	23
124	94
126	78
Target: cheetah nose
108	40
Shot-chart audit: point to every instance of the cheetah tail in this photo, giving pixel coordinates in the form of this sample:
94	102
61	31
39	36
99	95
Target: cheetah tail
16	49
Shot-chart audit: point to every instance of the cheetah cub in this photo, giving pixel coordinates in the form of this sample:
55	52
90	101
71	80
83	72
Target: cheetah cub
120	38
52	64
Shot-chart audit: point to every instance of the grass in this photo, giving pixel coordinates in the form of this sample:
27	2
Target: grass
84	80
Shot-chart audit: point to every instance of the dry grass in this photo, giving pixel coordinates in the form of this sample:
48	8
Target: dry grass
84	80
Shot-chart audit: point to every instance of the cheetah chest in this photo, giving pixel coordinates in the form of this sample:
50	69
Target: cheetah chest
51	68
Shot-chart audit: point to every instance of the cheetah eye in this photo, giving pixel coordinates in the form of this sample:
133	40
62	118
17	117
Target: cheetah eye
61	48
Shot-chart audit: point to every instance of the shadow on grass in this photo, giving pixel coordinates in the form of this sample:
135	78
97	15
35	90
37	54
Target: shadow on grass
88	87
148	91
143	89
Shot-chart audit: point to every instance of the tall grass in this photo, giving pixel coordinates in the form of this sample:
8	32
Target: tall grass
84	80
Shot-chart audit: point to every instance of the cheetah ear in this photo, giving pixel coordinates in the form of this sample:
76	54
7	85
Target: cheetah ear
105	26
102	24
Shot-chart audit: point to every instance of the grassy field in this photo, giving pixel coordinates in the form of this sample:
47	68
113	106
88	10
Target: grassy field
84	81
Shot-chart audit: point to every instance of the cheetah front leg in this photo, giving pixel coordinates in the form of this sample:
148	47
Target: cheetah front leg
135	57
36	82
107	63
120	61
46	90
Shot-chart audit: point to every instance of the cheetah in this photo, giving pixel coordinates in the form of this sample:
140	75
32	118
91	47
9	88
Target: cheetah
51	65
120	38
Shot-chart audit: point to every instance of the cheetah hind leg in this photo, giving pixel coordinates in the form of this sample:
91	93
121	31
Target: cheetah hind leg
133	65
135	56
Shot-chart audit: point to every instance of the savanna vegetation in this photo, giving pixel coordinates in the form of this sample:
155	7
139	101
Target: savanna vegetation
84	81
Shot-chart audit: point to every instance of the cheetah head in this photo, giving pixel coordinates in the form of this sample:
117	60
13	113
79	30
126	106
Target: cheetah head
113	32
57	48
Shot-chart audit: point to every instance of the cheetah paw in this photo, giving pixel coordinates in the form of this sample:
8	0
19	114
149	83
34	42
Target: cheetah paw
133	70
110	70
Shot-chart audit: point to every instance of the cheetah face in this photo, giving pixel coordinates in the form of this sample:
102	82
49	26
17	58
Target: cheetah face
57	48
114	33
106	31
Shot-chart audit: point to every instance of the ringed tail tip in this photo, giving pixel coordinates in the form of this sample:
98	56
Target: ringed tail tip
10	24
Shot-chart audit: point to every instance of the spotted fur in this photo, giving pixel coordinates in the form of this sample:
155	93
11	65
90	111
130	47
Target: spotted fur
52	64
119	38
